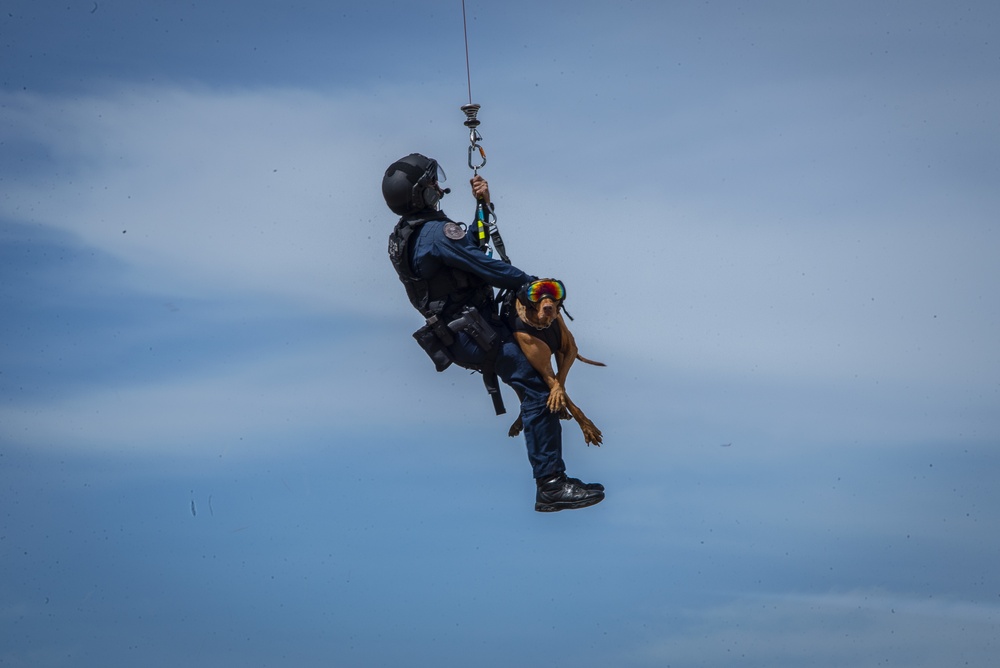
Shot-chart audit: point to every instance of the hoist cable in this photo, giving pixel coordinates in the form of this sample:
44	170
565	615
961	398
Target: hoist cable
468	69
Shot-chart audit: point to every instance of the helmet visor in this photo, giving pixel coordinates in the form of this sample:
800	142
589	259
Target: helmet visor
436	173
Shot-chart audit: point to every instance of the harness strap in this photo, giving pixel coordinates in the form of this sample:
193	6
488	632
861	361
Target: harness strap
491	381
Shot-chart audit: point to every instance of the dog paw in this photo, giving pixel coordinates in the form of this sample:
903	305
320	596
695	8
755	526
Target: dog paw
557	399
591	434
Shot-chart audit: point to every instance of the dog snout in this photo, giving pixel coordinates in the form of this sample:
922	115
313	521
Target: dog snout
547	311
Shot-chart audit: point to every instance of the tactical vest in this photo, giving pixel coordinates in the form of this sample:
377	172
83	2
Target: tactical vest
451	300
443	294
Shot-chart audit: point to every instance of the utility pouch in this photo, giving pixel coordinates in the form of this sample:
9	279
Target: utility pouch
473	324
435	337
430	340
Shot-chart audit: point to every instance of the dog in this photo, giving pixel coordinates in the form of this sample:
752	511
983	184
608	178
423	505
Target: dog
537	306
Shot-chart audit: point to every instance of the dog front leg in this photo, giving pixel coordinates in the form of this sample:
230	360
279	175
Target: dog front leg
540	358
591	434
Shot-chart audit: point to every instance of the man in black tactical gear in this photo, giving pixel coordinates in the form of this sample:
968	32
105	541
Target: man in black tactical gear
450	280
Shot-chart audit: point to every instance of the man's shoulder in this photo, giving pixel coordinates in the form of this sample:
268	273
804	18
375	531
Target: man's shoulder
446	230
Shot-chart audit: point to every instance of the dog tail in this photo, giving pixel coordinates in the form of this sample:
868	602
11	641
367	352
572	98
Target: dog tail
587	361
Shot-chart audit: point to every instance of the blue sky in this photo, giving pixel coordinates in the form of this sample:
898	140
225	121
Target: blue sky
777	224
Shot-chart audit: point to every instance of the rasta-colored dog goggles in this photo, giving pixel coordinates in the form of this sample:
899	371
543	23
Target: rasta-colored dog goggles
536	291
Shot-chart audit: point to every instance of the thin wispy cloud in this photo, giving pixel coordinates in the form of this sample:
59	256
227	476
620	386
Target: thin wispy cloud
861	627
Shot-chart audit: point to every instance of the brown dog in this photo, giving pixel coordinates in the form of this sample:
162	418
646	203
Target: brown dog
544	315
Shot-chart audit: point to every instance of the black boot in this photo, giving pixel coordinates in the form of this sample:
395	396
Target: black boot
596	486
561	493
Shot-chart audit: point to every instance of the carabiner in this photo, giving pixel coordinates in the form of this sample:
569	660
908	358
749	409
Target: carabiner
482	154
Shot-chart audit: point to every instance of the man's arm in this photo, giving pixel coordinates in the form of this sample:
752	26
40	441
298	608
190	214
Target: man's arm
462	254
466	255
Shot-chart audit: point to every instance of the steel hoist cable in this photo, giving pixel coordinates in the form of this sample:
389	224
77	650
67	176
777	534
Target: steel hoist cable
468	70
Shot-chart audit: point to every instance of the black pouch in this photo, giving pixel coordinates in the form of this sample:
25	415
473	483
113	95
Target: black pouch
429	339
435	337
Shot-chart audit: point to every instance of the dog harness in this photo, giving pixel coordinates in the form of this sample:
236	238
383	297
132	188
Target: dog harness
550	336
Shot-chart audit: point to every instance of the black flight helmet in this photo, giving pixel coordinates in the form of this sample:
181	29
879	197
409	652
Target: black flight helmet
411	184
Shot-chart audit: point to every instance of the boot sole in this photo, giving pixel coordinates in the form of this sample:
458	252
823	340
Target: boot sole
568	505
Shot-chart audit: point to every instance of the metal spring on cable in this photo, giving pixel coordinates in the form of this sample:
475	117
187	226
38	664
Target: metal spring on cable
470	115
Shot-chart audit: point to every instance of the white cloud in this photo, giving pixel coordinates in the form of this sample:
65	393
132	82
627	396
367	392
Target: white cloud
245	406
275	194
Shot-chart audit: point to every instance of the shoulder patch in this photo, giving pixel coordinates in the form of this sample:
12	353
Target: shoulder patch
454	231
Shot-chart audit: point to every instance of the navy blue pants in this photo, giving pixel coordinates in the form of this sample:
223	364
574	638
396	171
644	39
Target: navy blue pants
542	430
